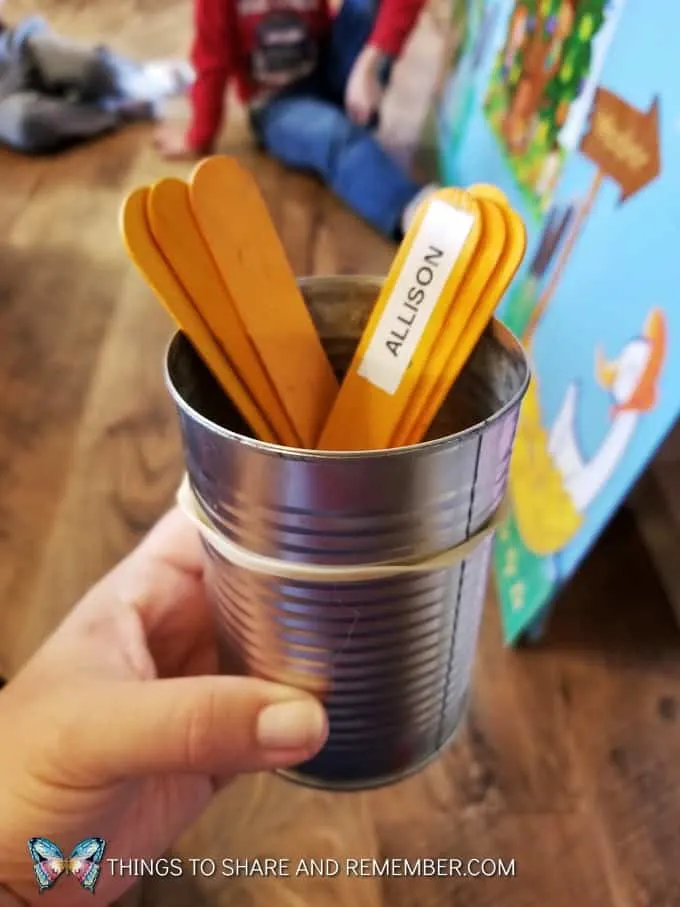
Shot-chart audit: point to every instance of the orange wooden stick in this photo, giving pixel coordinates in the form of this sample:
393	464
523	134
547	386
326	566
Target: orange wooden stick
169	291
512	256
238	229
175	230
411	311
437	373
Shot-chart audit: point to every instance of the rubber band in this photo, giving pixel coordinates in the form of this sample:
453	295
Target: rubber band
330	573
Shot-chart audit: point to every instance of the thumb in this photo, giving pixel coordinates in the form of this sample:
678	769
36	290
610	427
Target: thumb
214	725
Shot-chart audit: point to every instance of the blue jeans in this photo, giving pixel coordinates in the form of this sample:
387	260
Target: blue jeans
306	127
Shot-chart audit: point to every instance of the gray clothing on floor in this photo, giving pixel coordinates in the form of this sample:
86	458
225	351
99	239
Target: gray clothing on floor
55	92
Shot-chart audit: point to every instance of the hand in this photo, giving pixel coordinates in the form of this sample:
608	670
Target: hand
118	727
171	143
364	92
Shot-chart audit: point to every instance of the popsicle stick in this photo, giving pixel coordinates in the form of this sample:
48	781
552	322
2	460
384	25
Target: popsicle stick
487	257
177	234
238	229
490	192
411	310
511	259
156	271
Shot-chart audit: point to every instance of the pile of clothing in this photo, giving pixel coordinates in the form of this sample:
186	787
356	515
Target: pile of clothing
55	92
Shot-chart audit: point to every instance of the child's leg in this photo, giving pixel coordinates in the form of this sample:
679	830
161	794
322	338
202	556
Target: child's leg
60	65
312	134
35	124
96	73
351	30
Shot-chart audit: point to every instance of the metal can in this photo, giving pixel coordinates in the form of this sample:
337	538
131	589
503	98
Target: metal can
391	658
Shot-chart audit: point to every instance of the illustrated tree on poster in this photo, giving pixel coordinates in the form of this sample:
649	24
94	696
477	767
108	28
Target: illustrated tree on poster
540	71
570	76
538	32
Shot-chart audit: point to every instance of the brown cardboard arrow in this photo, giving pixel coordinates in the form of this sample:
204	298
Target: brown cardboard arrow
623	142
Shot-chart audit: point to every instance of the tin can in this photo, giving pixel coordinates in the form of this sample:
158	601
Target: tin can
390	657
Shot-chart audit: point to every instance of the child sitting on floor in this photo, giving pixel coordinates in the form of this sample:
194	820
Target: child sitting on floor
313	85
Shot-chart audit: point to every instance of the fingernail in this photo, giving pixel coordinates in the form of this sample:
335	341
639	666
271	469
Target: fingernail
297	724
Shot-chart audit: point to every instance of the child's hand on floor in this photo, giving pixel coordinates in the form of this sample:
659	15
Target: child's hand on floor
172	144
364	91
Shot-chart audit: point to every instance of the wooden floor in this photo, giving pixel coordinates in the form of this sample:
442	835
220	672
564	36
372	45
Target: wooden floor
570	760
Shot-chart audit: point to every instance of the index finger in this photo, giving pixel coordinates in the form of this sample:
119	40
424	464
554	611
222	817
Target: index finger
175	542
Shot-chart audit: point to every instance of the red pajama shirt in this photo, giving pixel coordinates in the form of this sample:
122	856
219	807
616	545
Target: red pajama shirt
235	40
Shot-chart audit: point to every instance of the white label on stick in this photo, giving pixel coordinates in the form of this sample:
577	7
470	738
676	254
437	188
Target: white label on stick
429	264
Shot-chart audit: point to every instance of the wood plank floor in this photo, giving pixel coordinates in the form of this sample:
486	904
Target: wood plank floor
569	762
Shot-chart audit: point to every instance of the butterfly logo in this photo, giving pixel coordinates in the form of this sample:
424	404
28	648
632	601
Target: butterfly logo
49	863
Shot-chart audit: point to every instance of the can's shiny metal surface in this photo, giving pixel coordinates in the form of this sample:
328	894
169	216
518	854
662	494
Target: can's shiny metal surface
392	658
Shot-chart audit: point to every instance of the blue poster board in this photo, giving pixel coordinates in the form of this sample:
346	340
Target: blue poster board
572	108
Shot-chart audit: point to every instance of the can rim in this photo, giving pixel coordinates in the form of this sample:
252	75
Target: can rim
506	337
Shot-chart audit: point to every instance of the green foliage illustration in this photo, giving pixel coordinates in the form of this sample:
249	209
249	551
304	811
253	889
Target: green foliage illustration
540	70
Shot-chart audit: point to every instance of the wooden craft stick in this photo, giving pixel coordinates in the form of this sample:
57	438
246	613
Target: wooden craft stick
176	232
161	278
482	314
410	312
238	229
467	299
490	192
